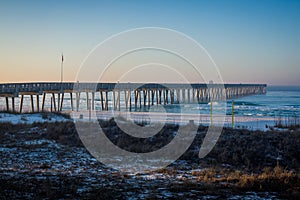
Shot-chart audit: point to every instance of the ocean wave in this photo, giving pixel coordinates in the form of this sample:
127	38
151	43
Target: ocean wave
248	114
246	103
213	103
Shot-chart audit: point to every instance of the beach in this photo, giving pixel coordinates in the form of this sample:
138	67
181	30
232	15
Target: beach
46	159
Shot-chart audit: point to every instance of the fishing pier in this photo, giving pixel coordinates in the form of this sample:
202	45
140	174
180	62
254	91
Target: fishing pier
134	94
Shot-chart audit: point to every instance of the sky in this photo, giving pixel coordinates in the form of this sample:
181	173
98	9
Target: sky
250	41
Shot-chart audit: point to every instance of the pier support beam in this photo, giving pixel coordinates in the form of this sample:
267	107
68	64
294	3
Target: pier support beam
114	100
101	99
32	104
140	98
87	101
183	96
126	97
136	95
149	97
21	103
58	102
172	96
77	101
106	100
61	101
71	101
13	103
119	100
43	101
159	96
37	103
51	105
53	99
93	100
130	106
152	97
145	92
7	104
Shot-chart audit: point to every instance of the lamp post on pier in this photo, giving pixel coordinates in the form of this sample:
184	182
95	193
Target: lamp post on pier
61	68
60	101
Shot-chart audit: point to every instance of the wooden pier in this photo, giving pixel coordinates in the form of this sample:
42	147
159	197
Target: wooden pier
134	94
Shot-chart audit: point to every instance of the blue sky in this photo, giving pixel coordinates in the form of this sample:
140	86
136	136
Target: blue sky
250	41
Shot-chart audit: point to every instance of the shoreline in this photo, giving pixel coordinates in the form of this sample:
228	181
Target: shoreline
240	122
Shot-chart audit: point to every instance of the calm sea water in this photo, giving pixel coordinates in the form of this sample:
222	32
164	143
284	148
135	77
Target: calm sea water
280	101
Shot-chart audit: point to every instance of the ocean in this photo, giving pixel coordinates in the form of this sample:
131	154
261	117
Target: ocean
280	101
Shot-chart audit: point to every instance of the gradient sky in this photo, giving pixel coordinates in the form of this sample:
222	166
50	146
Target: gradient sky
250	41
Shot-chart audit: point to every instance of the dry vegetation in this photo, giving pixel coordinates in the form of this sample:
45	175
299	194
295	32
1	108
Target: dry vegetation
241	161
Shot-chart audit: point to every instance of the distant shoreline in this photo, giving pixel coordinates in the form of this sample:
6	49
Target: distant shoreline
251	123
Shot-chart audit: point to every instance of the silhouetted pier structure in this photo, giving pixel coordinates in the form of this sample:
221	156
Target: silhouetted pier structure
135	94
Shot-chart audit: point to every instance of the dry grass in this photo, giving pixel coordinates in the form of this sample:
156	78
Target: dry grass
282	181
251	157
